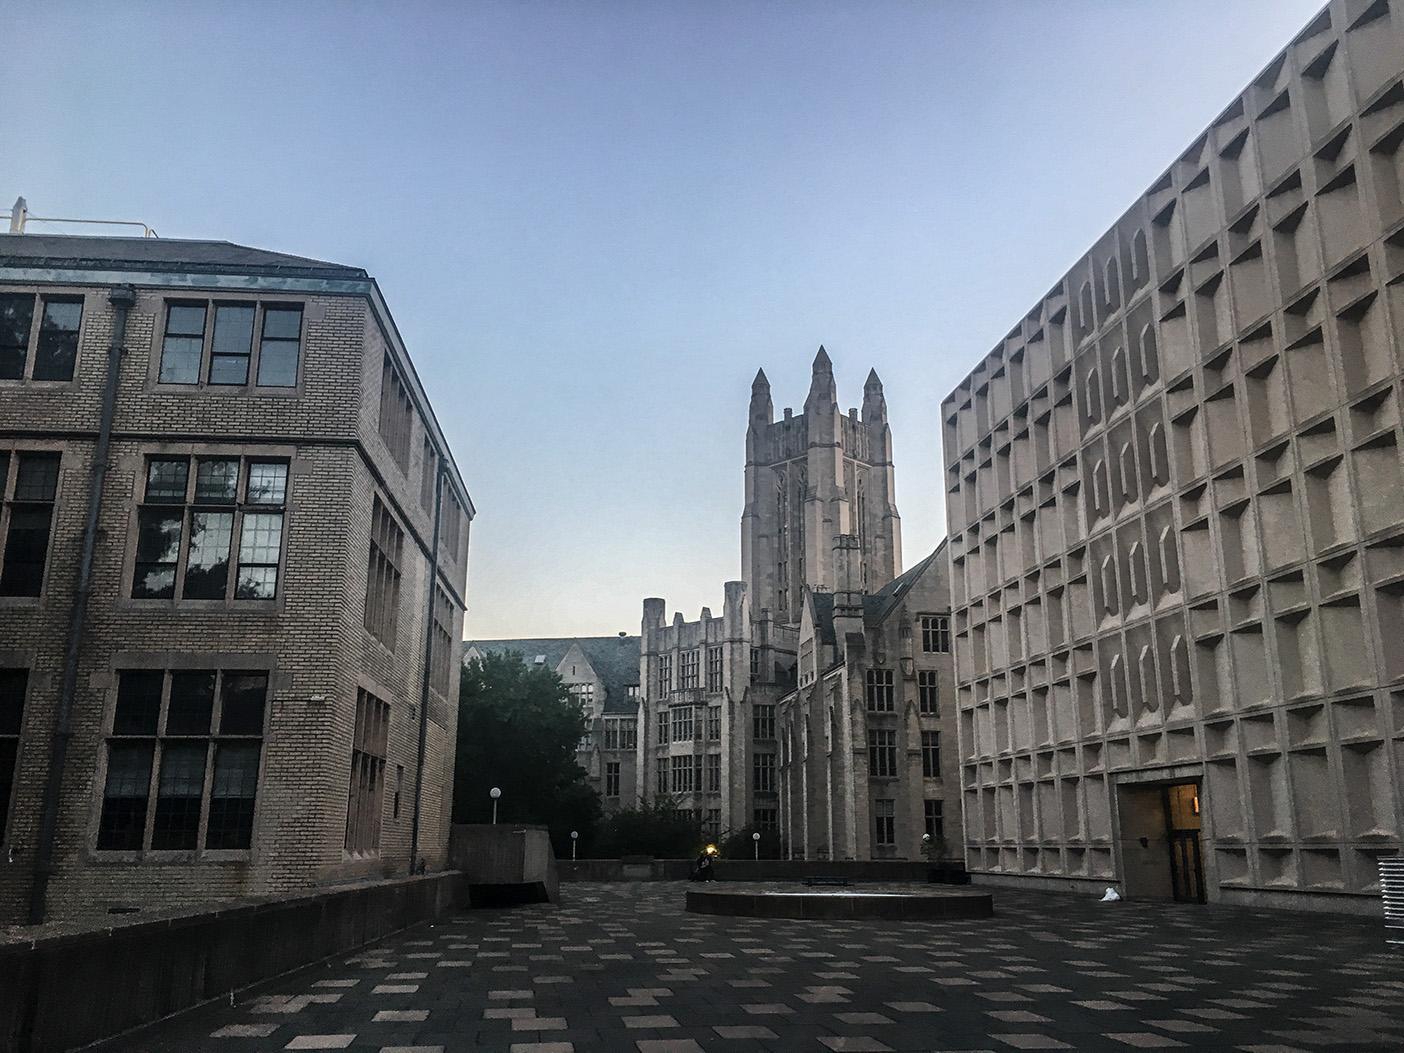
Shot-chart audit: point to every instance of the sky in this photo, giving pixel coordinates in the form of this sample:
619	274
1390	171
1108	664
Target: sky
594	221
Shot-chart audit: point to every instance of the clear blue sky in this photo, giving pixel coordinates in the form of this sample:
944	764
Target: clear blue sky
594	221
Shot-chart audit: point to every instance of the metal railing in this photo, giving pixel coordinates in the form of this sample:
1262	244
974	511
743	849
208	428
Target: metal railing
1392	888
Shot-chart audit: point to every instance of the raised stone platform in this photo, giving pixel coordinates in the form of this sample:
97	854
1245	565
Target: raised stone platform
888	903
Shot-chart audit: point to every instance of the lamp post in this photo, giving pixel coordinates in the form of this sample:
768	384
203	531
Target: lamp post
574	837
494	793
755	839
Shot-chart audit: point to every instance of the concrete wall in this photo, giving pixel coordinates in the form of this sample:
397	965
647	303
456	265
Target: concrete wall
499	856
748	870
68	990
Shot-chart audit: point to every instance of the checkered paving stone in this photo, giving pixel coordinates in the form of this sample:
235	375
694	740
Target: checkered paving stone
622	968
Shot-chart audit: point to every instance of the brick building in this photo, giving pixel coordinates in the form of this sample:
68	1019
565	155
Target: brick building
602	675
1176	515
229	629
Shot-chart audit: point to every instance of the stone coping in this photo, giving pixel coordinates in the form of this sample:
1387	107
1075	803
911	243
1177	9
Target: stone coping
885	902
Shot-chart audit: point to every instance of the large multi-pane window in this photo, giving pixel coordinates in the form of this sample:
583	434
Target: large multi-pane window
38	336
620	733
210	533
583	695
665	674
935	823
611	778
931	754
879	691
13	683
682	723
935	634
714	669
383	576
369	746
763	721
28	484
687	670
396	414
443	651
662	726
764	772
882	753
714	723
767	818
711	822
682	774
663	776
713	769
227	343
182	760
885	821
928	692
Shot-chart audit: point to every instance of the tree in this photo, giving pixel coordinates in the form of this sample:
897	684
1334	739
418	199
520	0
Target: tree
517	730
659	830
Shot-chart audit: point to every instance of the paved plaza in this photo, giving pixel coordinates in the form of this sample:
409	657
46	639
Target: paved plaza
622	967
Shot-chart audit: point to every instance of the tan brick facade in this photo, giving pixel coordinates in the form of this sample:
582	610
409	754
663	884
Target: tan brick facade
306	634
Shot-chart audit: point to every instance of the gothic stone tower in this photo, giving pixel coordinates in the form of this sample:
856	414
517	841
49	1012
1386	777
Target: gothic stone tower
810	479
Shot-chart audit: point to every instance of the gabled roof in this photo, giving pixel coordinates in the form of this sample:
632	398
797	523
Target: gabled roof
94	253
880	604
615	660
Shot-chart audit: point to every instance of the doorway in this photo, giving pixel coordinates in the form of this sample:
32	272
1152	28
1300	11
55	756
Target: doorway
1161	852
1182	827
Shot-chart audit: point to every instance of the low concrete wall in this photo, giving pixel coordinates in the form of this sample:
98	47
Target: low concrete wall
749	869
63	991
505	863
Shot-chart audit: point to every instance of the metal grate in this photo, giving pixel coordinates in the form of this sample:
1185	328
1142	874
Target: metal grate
1392	887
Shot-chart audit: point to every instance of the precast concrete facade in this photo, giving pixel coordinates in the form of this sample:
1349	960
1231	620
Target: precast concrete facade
1176	515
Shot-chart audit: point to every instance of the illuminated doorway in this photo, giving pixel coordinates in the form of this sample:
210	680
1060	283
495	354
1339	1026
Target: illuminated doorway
1182	827
1161	852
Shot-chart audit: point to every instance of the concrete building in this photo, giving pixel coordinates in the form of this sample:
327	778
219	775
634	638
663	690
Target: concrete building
233	547
708	733
1176	515
602	675
866	743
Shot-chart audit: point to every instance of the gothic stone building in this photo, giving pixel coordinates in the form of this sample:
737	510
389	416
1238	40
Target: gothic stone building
1176	515
710	733
602	675
233	546
861	764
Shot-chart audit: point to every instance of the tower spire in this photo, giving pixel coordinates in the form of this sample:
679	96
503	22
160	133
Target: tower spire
762	410
874	402
821	386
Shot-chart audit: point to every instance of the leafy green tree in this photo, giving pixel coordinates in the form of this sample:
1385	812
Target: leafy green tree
517	730
659	830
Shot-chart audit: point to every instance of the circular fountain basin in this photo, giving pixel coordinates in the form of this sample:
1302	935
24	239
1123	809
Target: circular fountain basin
886	903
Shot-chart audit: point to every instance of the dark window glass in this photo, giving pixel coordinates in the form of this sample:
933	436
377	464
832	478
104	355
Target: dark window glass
183	345
233	343
12	687
57	350
192	703
278	350
207	568
232	796
25	548
179	790
217	482
16	317
37	479
158	549
138	702
165	481
242	711
123	823
260	545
